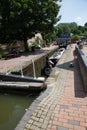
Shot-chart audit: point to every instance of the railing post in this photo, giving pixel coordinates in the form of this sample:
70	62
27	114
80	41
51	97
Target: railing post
6	68
34	68
21	69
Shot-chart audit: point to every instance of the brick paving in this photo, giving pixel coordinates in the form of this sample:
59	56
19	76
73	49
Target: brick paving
65	107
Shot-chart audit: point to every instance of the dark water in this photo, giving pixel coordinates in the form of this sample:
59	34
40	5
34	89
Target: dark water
12	108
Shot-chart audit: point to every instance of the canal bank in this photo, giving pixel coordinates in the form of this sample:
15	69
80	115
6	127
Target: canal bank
25	62
64	105
10	67
36	64
43	105
29	72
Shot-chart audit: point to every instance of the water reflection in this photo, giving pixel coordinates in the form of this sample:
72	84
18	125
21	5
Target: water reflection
12	108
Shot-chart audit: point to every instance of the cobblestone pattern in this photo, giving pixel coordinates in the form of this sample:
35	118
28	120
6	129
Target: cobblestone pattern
70	112
63	106
41	117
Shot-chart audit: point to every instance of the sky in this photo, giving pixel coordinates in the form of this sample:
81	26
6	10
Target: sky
73	11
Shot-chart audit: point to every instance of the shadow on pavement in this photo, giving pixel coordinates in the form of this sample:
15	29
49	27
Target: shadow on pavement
78	84
66	65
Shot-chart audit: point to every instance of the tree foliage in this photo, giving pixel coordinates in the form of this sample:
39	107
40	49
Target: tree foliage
20	19
72	28
63	28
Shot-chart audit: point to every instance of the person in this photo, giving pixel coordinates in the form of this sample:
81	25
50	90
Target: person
14	51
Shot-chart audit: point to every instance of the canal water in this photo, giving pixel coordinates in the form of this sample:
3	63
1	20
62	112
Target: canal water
12	108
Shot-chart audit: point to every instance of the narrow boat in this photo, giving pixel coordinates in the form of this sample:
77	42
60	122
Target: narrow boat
57	55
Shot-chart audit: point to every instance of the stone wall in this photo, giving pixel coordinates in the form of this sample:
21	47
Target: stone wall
39	62
82	59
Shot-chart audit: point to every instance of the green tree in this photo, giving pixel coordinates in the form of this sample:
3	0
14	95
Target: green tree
85	29
16	20
73	27
63	28
81	30
85	24
47	17
21	19
75	37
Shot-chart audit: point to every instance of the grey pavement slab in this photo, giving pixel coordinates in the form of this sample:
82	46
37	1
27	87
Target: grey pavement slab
61	128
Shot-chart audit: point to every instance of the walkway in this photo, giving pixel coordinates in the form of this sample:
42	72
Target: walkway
64	107
14	63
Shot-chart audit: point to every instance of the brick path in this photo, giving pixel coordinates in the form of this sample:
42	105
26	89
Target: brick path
65	107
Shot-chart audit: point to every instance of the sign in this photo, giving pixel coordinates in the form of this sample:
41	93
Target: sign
66	35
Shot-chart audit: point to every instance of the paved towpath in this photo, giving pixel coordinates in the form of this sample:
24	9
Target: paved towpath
65	106
14	63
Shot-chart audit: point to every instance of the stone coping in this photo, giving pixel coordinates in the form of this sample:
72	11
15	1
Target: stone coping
82	59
